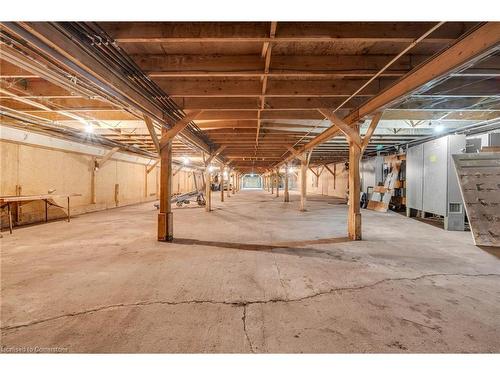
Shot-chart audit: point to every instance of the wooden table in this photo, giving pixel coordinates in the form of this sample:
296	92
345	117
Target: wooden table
6	201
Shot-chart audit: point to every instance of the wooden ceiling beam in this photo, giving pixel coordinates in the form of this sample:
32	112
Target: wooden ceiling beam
163	65
258	32
241	103
342	87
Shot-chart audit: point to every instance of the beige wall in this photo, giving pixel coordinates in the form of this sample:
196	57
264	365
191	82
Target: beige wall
325	184
36	170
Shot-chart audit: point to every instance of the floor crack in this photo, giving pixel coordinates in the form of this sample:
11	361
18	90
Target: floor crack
243	304
436	328
279	276
244	319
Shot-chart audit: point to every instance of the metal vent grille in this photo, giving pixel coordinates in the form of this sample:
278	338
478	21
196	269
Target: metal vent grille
455	208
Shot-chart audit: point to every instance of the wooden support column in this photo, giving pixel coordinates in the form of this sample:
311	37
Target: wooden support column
277	179
208	190
222	184
355	152
335	176
303	183
233	179
286	193
354	217
93	182
271	181
165	217
145	181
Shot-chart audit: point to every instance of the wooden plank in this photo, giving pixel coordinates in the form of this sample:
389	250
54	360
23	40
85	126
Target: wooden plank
27	198
377	206
257	32
490	149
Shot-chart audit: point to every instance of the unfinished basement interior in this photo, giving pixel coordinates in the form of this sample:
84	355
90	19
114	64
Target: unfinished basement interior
250	187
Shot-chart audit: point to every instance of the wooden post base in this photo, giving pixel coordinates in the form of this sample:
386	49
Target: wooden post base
165	227
287	197
355	223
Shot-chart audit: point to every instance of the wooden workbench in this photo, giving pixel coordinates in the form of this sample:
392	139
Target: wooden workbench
6	201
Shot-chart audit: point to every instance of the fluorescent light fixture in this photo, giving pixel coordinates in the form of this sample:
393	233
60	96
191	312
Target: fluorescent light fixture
186	160
438	128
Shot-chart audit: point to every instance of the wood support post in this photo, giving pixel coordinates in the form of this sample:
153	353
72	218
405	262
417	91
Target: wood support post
286	193
165	217
93	182
208	191
303	184
145	181
233	179
335	176
277	179
271	178
222	184
354	216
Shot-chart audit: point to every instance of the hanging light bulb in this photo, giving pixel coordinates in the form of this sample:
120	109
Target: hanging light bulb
89	128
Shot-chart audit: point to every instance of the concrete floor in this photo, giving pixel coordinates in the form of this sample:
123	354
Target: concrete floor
255	275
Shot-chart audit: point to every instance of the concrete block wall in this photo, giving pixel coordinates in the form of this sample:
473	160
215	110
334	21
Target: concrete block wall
36	169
